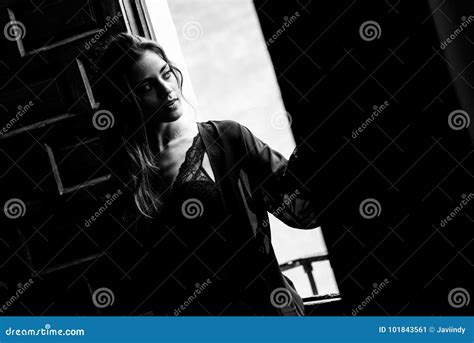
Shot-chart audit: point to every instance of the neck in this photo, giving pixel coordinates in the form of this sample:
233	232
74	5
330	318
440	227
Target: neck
169	133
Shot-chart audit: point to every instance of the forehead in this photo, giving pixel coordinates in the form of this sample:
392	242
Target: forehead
149	64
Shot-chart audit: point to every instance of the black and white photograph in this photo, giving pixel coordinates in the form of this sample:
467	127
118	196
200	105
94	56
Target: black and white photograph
177	158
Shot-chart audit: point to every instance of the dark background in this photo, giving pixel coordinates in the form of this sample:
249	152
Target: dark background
409	159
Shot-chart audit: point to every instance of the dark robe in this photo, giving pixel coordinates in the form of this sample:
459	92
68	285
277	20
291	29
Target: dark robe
252	179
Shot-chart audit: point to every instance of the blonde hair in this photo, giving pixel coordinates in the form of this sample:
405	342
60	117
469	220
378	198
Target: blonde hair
131	136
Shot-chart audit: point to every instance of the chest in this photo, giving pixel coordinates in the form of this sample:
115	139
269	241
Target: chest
172	158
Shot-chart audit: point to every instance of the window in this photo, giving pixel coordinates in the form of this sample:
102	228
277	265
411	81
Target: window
229	75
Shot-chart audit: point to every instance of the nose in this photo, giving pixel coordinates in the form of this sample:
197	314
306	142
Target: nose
164	90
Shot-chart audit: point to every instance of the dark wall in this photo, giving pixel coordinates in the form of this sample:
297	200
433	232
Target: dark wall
416	164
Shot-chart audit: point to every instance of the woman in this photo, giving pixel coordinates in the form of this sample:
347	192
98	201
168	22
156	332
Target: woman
204	189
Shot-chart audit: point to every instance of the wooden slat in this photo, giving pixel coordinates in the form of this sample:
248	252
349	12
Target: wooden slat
38	125
68	40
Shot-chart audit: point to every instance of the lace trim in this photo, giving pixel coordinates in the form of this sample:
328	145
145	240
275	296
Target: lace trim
191	169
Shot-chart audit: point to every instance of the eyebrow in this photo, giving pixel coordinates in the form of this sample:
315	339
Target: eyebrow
163	68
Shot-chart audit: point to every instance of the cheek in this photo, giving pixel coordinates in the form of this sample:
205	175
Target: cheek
150	101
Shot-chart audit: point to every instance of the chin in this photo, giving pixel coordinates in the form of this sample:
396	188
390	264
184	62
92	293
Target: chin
170	116
175	115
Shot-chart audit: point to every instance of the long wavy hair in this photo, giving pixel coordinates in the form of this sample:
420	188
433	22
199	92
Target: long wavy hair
128	143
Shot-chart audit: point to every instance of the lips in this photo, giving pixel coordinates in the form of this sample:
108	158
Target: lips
170	103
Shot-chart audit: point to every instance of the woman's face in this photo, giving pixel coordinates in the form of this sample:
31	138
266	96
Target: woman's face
156	88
